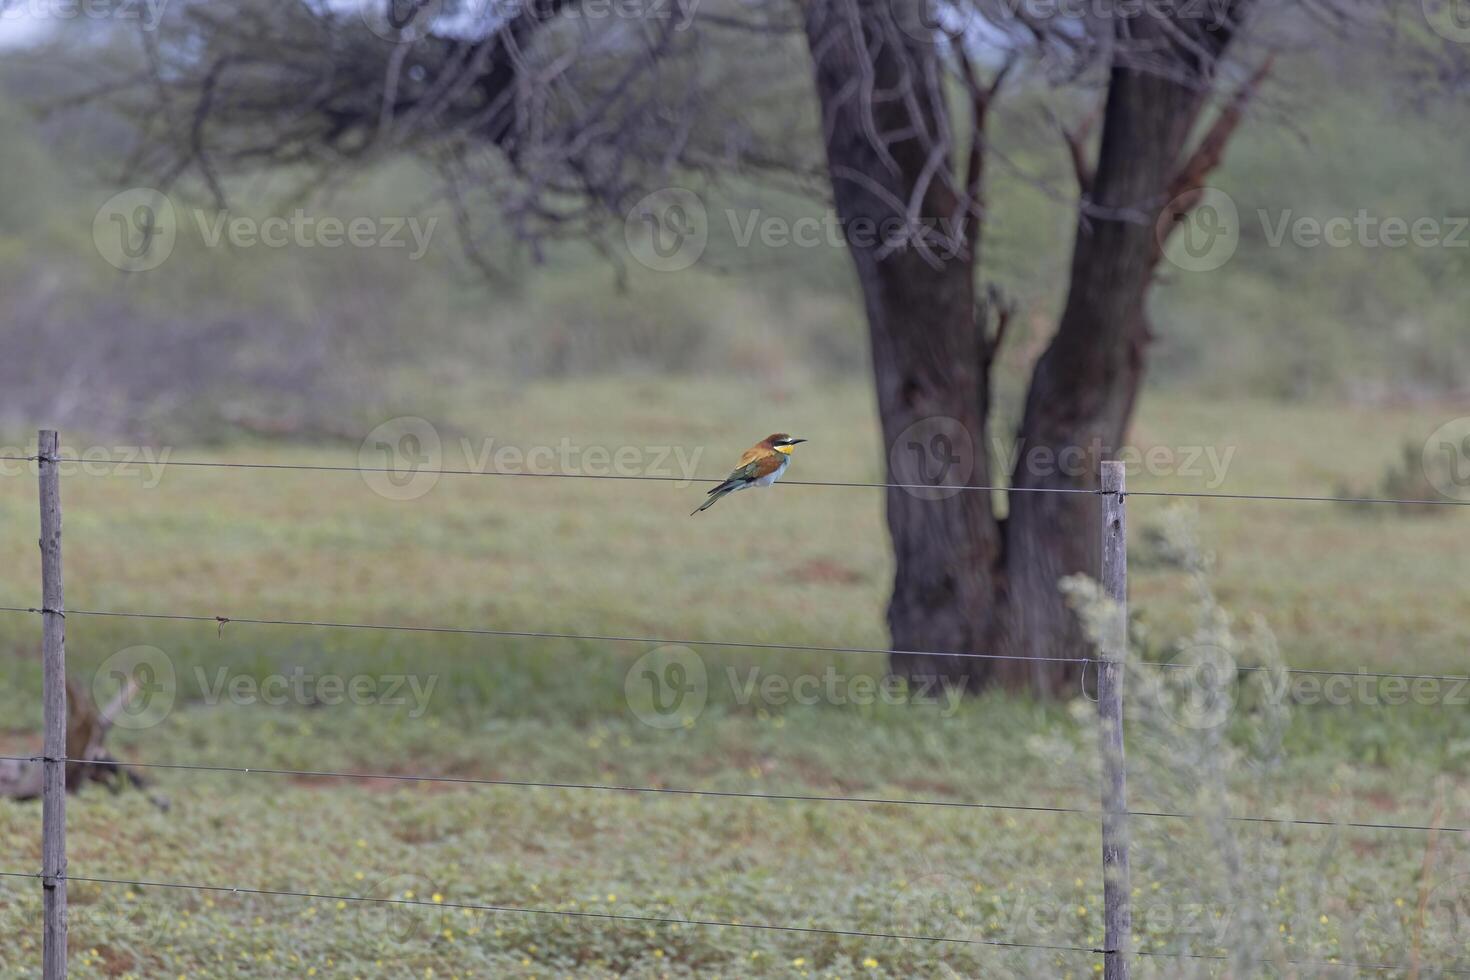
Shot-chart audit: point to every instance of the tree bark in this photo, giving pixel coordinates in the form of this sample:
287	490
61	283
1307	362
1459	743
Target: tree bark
964	580
885	130
1084	388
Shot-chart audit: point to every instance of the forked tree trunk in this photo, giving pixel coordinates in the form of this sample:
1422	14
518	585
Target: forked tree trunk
1085	386
965	581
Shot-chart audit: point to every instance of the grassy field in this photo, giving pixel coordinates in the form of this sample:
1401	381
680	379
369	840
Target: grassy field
1349	590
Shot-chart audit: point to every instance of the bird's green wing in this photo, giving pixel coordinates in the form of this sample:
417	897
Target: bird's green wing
750	471
738	476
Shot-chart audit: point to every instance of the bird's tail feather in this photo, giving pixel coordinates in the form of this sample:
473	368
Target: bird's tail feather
714	495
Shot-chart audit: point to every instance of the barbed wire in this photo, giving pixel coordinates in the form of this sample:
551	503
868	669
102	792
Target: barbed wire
583	914
735	794
925	487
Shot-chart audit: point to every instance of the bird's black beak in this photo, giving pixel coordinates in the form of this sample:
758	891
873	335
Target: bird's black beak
793	442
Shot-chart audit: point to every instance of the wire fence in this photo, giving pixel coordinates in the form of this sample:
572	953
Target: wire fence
53	875
923	487
222	621
1283	821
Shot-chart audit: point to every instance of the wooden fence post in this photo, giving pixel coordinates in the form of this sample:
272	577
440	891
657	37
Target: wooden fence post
1117	884
53	694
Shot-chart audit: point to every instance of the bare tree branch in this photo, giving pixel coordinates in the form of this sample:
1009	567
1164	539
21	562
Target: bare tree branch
1210	152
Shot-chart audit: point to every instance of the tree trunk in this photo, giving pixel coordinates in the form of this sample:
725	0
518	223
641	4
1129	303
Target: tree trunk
965	581
886	140
1082	394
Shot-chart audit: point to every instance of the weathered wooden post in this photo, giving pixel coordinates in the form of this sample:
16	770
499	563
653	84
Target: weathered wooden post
53	694
1117	885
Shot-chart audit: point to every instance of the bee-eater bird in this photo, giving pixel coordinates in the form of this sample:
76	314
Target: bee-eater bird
761	466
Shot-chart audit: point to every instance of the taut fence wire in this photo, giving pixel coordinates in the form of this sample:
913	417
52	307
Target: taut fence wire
926	487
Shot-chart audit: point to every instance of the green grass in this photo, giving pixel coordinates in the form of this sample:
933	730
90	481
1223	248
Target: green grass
797	564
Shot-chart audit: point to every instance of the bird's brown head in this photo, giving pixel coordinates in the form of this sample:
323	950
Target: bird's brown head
781	442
